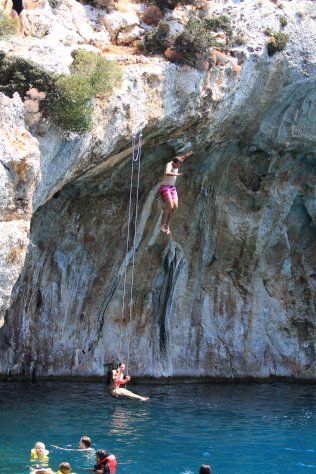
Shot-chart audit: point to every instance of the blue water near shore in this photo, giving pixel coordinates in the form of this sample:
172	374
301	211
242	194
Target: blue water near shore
238	429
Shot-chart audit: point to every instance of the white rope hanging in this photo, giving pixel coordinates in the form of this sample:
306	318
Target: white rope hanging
135	158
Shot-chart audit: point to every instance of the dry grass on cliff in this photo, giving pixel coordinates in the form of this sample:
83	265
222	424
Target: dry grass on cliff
8	26
20	169
14	254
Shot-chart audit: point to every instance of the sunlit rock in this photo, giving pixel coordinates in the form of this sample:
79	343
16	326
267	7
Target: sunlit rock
19	171
231	293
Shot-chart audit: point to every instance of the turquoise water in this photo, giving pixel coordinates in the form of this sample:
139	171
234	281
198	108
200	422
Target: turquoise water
238	429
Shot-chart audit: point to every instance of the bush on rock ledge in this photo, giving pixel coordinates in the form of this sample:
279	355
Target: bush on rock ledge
68	97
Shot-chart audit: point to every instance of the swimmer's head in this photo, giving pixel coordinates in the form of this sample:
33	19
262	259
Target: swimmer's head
101	454
40	447
85	442
64	467
205	469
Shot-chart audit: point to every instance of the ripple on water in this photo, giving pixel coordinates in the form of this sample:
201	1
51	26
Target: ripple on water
238	429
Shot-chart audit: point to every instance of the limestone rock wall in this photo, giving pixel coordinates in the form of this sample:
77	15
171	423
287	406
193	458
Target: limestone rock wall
19	169
231	293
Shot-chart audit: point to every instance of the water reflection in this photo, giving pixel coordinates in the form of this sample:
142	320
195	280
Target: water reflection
121	420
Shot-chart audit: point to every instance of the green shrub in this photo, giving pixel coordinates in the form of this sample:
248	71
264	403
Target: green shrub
277	42
74	88
55	3
219	23
68	97
268	32
239	40
283	21
91	75
102	74
72	116
194	40
156	41
170	4
8	25
18	75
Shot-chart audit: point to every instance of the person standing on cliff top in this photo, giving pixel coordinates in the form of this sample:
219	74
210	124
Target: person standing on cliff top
168	191
118	378
17	11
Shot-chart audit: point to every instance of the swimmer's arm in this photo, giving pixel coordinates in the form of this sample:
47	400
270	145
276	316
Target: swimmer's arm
173	174
65	449
72	449
5	4
40	471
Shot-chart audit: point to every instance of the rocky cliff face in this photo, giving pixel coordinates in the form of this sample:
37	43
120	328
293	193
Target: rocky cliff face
231	293
19	170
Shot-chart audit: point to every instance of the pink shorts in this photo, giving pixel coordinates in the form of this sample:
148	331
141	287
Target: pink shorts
168	192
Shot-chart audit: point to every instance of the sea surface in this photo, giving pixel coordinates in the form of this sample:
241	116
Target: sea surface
236	428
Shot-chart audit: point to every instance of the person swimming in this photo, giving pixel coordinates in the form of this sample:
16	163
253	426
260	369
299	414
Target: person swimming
101	466
39	452
84	445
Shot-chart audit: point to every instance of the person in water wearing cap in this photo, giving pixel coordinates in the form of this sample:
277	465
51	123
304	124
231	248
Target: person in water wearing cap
117	379
64	468
168	191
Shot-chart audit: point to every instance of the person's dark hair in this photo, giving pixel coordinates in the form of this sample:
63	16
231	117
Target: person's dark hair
205	469
177	160
120	364
102	454
86	441
64	466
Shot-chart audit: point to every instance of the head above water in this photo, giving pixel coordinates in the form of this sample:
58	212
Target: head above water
101	454
85	442
39	446
64	467
205	469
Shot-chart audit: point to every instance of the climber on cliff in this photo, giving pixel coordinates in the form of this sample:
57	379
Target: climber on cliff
117	379
168	191
17	11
